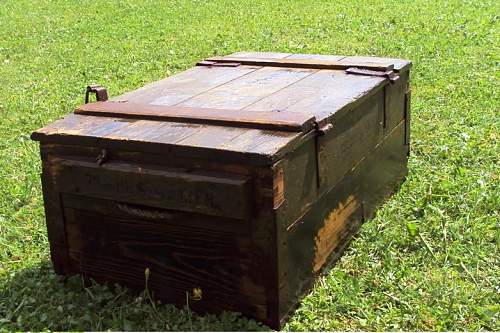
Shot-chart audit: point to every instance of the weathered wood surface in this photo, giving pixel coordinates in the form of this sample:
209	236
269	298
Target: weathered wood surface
110	237
249	215
399	64
322	94
179	258
299	63
193	192
279	121
319	237
350	139
184	85
280	98
257	147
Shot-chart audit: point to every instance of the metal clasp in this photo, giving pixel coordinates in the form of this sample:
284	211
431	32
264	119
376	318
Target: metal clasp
101	94
321	130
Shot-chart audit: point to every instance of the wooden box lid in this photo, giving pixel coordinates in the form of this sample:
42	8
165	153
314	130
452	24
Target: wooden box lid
248	104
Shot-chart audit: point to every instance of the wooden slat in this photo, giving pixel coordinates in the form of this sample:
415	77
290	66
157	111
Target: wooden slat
257	54
300	63
129	184
253	146
184	85
248	89
278	55
316	57
321	94
260	120
399	64
77	125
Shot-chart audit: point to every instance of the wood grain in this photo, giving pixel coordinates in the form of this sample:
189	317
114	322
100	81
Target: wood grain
350	139
255	147
227	196
279	121
248	89
249	210
312	244
321	94
184	85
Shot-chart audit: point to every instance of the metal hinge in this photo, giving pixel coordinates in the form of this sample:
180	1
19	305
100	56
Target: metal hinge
390	74
101	94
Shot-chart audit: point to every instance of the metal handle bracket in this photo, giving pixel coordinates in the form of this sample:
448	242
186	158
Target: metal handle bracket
101	94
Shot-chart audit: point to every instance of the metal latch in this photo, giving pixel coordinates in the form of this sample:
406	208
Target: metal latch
322	129
101	94
390	74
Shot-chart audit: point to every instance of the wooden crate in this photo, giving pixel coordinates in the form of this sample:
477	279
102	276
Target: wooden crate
235	182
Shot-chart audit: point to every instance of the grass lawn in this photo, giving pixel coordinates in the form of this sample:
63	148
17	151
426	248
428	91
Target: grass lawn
428	261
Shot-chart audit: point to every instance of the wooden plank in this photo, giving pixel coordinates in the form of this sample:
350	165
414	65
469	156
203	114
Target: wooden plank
54	220
191	192
147	131
212	139
238	94
224	140
281	55
321	94
184	85
80	126
200	115
179	259
156	161
252	54
172	217
395	101
260	141
316	57
248	89
143	130
259	147
301	63
299	182
399	64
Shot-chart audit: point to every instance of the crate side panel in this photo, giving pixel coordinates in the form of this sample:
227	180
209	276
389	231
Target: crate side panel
351	138
322	234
